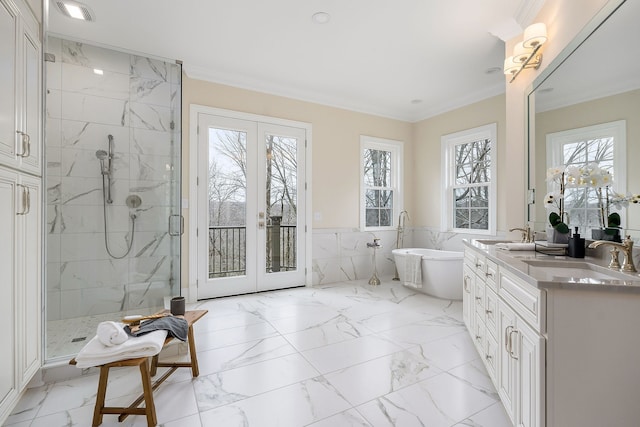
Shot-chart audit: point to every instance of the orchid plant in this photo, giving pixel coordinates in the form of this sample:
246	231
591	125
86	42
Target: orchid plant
591	175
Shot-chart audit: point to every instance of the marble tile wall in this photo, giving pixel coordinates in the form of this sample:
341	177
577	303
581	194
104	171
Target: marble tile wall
342	254
137	100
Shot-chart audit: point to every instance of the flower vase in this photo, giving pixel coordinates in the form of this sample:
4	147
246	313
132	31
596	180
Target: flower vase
610	234
554	236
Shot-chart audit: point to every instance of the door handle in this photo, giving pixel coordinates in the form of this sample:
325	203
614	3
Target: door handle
26	200
26	144
173	233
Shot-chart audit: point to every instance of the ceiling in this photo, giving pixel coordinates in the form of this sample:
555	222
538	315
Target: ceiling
404	59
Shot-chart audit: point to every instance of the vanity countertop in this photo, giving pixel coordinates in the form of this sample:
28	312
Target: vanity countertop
538	270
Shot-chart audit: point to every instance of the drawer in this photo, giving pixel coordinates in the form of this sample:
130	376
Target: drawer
491	356
478	298
491	311
527	300
491	274
479	330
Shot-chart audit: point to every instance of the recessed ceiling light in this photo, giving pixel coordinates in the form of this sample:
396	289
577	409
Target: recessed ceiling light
98	71
76	10
416	101
321	17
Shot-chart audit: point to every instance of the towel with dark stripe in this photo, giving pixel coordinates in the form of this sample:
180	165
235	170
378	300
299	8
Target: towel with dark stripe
176	327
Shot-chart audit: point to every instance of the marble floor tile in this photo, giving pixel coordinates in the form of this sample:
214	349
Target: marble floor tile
376	378
350	418
493	416
293	406
439	401
341	354
225	387
347	353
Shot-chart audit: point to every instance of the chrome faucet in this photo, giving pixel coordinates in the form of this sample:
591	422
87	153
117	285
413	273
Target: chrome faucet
627	249
527	235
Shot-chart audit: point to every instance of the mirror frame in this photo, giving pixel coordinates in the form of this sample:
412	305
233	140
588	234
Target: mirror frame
587	31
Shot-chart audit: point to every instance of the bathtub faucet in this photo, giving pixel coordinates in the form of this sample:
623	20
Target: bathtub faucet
376	243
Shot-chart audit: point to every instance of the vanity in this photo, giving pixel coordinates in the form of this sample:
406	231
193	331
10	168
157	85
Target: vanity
558	336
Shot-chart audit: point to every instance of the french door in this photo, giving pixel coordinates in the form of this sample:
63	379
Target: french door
251	206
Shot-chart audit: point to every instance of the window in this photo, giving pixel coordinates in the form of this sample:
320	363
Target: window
603	144
469	196
381	164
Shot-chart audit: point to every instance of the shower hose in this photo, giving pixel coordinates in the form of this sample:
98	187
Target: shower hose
104	215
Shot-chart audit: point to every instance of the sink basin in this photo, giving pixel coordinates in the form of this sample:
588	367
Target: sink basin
493	242
578	270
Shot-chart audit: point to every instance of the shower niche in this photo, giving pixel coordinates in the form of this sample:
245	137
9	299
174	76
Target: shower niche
112	174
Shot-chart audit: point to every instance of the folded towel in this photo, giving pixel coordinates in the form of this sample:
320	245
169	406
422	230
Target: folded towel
111	333
516	246
413	270
94	353
177	327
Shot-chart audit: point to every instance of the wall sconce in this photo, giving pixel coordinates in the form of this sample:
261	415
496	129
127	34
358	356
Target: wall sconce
525	53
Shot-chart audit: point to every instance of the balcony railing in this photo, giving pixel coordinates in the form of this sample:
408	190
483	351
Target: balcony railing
228	249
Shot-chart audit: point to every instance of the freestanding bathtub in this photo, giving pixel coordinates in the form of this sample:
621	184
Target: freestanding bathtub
441	271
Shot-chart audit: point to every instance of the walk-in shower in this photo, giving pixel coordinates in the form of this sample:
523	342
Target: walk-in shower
113	184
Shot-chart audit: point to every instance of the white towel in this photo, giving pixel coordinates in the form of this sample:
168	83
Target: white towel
94	353
111	333
413	270
516	246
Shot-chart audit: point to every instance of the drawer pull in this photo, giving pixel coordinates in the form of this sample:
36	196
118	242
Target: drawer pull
488	311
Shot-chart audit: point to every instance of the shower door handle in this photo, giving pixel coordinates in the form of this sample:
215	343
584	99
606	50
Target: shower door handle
174	233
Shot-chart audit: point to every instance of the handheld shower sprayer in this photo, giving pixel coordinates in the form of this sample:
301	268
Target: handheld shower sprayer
106	170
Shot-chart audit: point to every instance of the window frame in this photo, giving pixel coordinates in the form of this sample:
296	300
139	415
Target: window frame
555	142
449	143
397	165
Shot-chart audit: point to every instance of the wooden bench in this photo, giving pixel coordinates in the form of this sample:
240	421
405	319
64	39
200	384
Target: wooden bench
146	372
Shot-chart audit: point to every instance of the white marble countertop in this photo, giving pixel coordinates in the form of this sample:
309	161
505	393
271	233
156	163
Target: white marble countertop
560	278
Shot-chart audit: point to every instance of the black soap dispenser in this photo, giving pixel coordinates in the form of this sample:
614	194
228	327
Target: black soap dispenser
576	245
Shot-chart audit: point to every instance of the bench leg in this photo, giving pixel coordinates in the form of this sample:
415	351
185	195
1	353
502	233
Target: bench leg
150	408
195	371
102	392
154	365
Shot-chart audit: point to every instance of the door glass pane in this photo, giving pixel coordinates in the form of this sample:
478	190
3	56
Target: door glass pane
227	202
281	203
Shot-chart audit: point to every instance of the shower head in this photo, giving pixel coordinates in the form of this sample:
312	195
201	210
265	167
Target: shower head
102	155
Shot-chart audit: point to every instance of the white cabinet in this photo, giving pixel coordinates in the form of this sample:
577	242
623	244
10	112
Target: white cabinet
29	291
20	271
468	283
21	88
504	316
8	226
479	307
20	200
521	361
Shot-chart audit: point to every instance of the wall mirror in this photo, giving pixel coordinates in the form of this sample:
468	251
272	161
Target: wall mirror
593	84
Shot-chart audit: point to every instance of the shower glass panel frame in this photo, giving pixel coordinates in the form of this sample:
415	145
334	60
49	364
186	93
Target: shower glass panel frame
113	155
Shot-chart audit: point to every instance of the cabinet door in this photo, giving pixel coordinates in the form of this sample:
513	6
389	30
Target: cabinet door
8	81
468	307
29	277
8	190
29	145
531	377
507	362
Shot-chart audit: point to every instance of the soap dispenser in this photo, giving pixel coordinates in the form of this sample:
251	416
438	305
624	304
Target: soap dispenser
576	245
